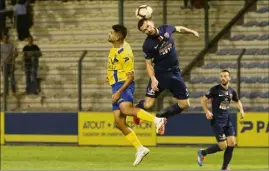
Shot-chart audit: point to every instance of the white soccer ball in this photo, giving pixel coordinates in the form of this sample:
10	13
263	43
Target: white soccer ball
143	12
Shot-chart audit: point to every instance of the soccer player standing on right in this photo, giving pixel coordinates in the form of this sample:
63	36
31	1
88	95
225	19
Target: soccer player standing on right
221	96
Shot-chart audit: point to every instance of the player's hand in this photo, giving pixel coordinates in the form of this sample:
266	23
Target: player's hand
154	84
116	96
242	114
209	115
195	33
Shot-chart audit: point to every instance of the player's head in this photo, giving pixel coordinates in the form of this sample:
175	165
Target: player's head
146	26
117	34
225	77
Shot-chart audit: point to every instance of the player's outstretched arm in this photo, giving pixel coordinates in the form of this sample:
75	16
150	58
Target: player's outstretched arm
151	73
209	115
185	30
240	107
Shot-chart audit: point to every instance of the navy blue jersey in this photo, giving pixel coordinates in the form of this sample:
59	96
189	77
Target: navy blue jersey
221	99
161	49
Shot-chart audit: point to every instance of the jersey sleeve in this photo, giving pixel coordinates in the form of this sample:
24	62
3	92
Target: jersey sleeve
171	28
128	61
147	52
210	93
235	97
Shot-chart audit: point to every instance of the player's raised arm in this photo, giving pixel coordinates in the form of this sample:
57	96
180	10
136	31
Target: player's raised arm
151	73
185	30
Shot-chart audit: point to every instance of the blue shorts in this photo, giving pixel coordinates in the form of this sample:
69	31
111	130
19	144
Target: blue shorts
171	81
126	96
222	131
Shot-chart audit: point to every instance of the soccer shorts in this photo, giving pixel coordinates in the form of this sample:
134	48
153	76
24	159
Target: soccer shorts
126	96
171	81
222	131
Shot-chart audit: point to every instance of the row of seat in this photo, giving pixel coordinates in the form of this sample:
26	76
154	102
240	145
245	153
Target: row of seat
250	37
251	95
234	65
256	23
208	80
249	51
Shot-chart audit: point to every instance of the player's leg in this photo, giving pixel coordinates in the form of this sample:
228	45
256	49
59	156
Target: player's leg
125	104
180	92
231	142
149	100
145	104
130	135
222	144
127	108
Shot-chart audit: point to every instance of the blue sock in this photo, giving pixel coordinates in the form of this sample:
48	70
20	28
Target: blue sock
170	111
140	104
227	157
210	150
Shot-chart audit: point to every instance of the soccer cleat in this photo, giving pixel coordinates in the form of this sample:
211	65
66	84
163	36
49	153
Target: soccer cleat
160	125
140	154
200	157
136	120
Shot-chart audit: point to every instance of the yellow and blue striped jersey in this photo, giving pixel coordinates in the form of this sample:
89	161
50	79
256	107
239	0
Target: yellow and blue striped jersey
120	62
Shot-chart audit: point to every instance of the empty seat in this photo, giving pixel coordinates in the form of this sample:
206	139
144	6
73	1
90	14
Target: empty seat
210	80
237	37
263	52
263	24
196	94
264	95
252	51
223	52
253	65
235	51
263	10
251	37
264	65
251	24
263	37
253	80
265	80
211	65
228	65
197	80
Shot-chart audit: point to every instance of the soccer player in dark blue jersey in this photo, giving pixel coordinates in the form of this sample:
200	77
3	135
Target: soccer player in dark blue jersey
162	67
221	96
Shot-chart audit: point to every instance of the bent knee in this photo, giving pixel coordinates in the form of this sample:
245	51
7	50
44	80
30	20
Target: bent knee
222	145
148	104
184	105
232	143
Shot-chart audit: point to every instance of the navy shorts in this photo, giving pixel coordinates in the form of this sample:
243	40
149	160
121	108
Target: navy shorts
126	96
171	81
222	131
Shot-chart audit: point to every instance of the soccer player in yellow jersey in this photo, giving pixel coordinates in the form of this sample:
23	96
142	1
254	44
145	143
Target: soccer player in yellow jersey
120	75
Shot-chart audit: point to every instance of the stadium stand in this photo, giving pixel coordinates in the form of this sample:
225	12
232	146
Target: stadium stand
64	30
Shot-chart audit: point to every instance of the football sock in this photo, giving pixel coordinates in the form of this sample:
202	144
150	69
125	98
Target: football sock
140	104
132	138
142	114
210	150
227	157
170	111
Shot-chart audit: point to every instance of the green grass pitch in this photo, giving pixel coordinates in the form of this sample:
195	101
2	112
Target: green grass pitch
121	158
